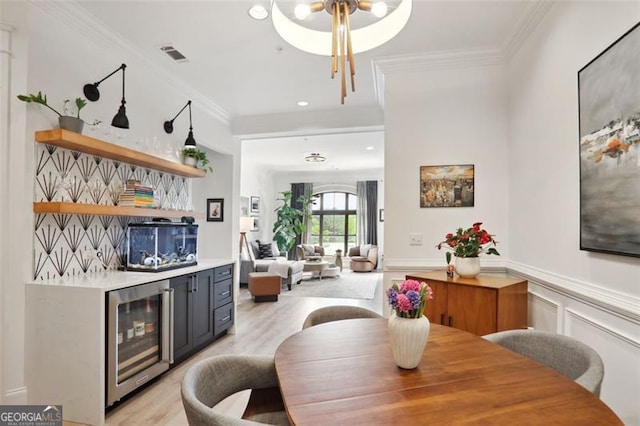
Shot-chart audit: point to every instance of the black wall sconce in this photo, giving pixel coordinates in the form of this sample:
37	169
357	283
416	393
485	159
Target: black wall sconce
92	93
168	126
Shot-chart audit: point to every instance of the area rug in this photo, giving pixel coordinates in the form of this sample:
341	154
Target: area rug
348	285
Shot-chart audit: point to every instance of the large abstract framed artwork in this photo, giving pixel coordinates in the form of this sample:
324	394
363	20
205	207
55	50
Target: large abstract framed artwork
447	186
609	102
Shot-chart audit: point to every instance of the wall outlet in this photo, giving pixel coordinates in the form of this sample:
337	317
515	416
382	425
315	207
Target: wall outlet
415	239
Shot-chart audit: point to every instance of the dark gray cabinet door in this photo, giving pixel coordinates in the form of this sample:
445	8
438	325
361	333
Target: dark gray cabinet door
203	308
182	315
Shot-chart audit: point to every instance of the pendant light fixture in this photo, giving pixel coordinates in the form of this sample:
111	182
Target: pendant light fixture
168	126
343	41
92	93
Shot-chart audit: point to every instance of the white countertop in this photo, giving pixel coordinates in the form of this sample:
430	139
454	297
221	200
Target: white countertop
114	280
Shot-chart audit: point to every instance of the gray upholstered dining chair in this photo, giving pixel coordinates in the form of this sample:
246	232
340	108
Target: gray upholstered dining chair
564	354
211	380
337	313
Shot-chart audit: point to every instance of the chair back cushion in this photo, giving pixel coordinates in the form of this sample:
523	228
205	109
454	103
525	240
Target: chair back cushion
211	380
564	354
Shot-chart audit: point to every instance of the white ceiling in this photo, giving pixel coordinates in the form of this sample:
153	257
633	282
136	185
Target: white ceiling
242	66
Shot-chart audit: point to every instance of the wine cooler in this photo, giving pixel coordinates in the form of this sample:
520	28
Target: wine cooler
140	336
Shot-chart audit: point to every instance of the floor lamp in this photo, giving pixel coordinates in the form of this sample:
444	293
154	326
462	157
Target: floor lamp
246	223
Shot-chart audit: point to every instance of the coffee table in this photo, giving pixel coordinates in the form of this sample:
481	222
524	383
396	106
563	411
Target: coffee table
315	266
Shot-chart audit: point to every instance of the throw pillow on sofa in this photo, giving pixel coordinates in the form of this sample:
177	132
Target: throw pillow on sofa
264	250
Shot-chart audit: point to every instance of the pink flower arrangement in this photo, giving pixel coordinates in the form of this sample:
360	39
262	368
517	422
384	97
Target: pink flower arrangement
409	298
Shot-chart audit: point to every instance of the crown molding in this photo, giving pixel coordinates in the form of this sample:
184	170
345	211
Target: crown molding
72	14
431	61
527	23
336	120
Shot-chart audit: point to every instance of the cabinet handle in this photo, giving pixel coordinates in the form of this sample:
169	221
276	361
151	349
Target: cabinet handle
442	319
227	318
450	321
225	293
195	284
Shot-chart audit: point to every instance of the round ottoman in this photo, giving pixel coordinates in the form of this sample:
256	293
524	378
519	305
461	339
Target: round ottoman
331	271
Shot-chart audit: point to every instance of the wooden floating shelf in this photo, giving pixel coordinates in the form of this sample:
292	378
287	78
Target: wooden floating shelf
88	145
101	210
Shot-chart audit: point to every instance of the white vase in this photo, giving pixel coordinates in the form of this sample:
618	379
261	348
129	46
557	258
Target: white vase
467	267
189	161
408	338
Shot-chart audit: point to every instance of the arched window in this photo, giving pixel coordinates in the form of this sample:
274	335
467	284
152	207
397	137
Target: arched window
333	221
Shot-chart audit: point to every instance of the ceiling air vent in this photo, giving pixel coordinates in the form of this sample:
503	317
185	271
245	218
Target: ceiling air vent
174	54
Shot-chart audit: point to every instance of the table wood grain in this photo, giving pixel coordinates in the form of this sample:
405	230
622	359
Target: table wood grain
343	373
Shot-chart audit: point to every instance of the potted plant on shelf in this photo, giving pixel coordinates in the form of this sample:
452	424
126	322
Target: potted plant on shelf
196	158
66	121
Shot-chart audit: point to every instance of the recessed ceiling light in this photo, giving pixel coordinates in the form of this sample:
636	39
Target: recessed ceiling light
369	148
258	12
303	103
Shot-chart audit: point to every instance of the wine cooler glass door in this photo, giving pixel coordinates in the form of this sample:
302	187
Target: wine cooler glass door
139	336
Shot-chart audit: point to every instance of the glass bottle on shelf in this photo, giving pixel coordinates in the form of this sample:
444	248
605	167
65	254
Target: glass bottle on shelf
138	321
149	317
130	332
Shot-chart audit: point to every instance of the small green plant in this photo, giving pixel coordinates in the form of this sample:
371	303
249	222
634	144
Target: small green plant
42	100
200	156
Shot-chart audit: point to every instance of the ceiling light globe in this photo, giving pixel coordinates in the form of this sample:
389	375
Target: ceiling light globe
379	9
302	10
258	12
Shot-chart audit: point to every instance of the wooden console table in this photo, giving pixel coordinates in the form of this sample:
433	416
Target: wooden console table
481	305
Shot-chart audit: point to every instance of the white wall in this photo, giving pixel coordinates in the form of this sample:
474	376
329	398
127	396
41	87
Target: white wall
518	123
593	297
58	53
444	117
543	155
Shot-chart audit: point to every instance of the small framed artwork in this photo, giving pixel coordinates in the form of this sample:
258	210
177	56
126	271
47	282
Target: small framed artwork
381	215
215	209
255	227
609	112
244	206
255	204
447	186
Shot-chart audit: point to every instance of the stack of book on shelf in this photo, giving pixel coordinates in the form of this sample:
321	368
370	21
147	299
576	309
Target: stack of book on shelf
136	195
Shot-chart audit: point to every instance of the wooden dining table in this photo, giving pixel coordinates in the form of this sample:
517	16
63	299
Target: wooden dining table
343	373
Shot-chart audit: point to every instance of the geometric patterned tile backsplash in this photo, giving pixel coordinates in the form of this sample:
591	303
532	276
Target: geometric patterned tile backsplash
68	244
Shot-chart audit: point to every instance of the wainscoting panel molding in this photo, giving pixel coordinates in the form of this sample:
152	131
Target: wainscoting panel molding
620	354
543	313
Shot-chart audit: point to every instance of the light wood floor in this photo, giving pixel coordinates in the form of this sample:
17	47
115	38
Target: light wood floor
260	328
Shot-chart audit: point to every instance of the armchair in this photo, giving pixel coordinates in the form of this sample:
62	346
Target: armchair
363	258
303	251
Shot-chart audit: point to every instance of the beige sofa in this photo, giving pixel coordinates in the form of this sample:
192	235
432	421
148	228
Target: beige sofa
257	264
363	258
303	251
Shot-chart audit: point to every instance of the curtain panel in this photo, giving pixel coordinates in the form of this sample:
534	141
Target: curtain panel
366	219
298	189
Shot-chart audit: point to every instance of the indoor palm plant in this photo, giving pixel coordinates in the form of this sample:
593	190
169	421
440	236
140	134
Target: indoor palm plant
66	121
466	245
290	221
